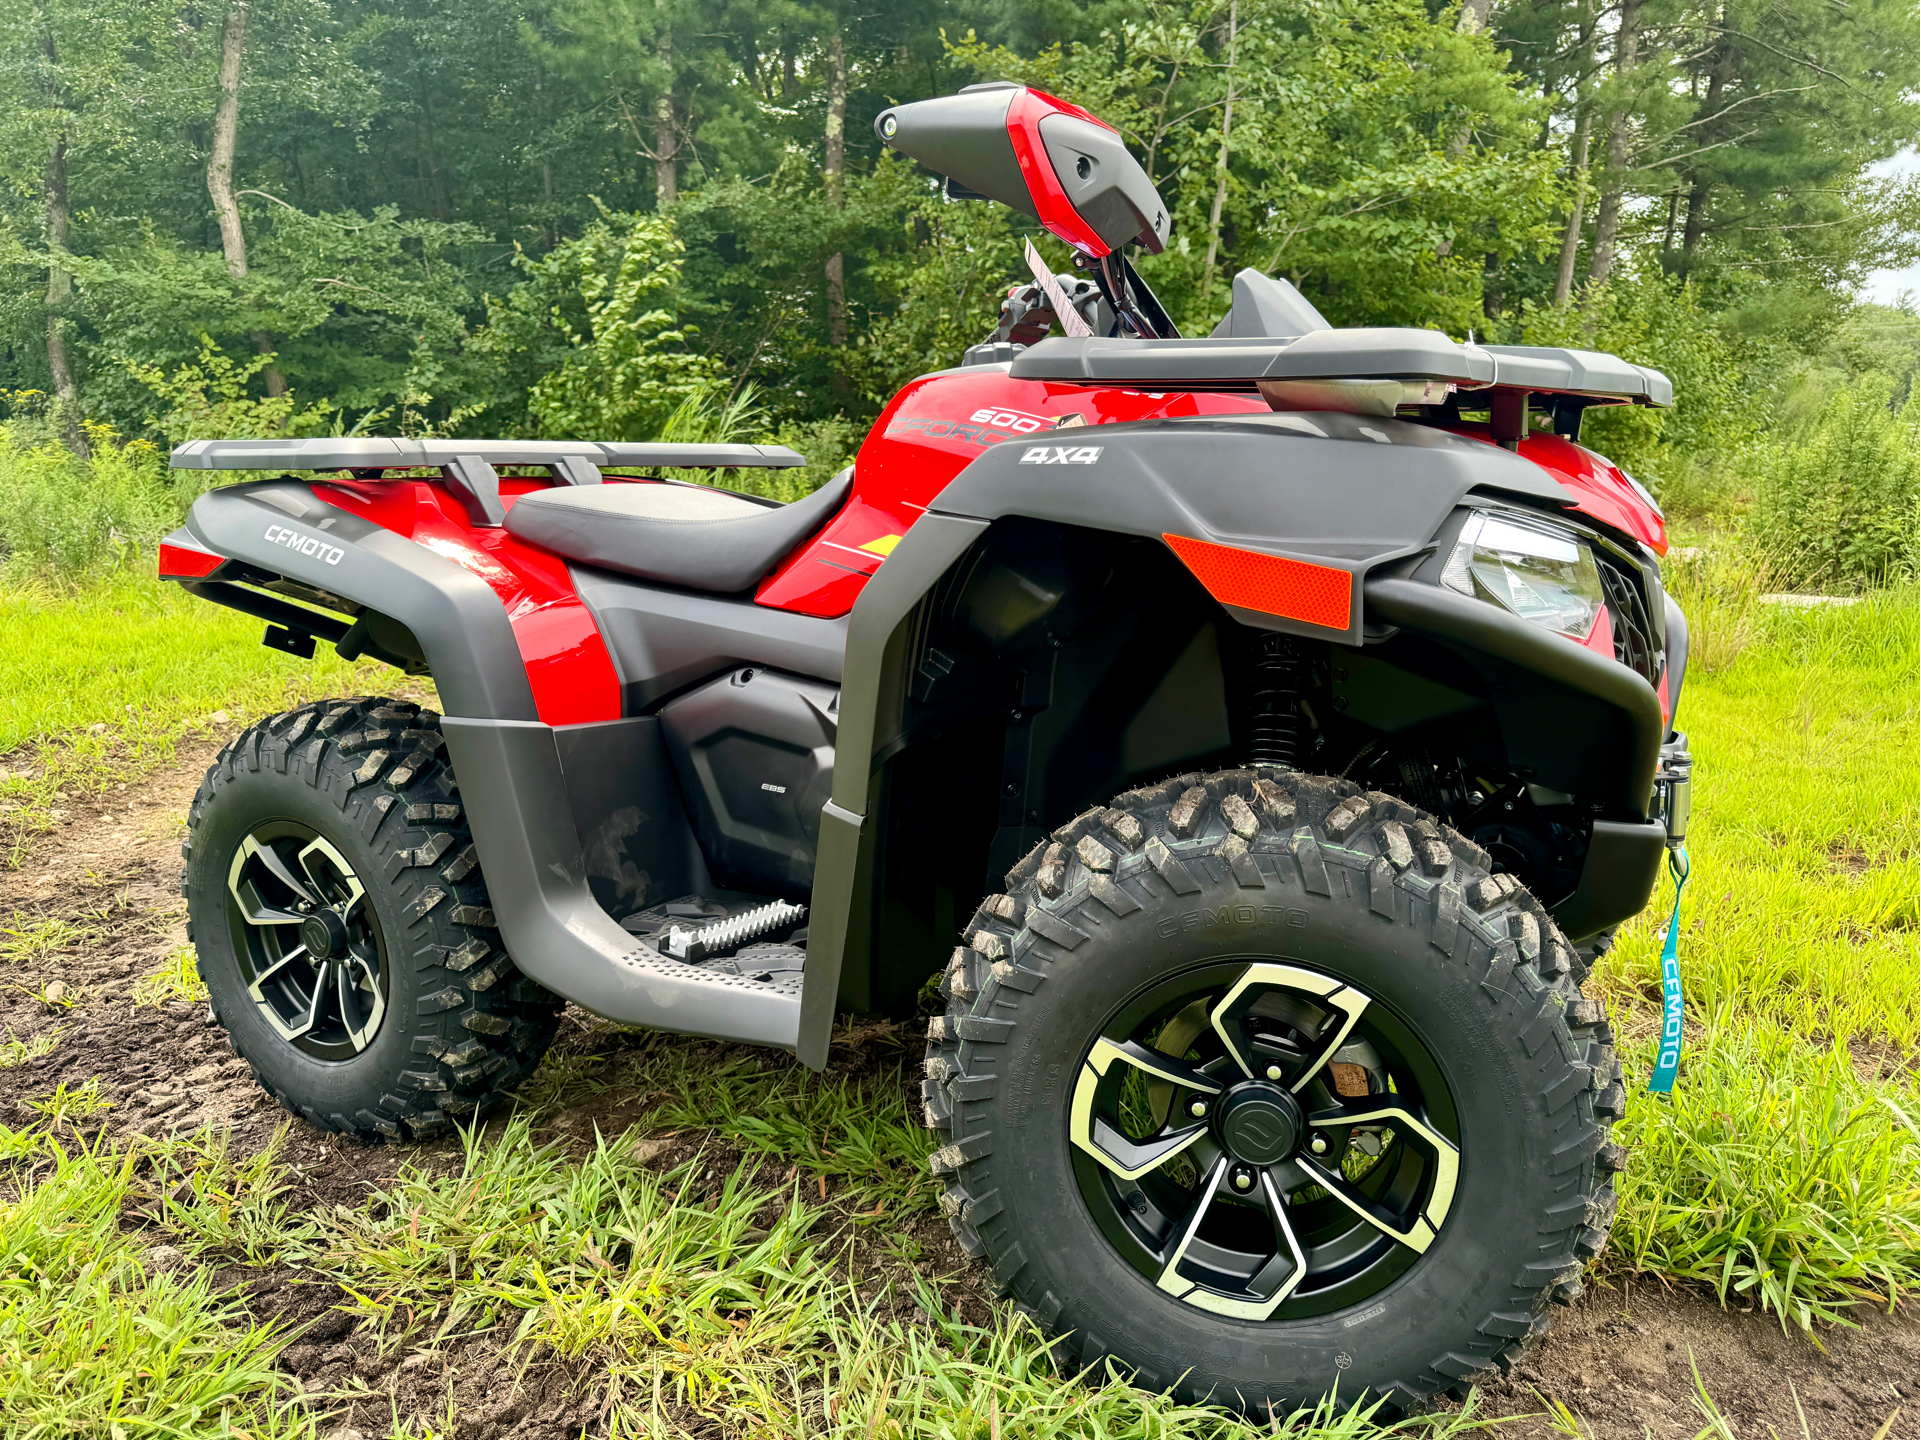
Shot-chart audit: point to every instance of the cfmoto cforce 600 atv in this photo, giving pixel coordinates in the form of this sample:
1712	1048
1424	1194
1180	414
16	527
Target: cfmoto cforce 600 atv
1279	719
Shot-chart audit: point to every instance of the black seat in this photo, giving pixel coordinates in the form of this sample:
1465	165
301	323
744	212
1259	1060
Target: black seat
674	533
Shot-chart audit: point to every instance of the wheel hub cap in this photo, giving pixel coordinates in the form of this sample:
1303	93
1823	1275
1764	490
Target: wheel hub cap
1260	1123
1260	1140
323	934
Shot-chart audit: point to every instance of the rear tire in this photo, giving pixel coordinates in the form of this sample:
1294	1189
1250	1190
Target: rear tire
415	1017
1279	882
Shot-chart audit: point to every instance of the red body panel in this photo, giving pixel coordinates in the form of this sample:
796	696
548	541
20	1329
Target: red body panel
937	424
568	667
926	437
1606	494
1055	211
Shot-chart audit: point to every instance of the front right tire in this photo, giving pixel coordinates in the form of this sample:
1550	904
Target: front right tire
1262	1086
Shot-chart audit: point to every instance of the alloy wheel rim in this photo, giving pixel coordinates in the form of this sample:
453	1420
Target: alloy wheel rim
311	953
1264	1142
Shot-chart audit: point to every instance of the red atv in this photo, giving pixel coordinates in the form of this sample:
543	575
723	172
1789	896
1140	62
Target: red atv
1280	718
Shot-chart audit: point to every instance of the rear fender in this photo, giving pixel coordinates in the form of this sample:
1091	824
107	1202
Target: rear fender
507	761
283	528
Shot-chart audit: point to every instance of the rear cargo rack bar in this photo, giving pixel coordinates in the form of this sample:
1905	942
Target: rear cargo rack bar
472	467
364	452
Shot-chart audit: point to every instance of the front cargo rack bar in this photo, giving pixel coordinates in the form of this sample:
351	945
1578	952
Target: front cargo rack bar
1368	353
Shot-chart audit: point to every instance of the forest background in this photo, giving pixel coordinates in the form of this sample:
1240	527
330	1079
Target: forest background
602	218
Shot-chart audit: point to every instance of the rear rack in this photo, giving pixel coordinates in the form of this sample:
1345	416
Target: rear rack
363	452
471	467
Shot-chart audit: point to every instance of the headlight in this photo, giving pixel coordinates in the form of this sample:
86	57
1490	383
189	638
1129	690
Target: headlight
1542	573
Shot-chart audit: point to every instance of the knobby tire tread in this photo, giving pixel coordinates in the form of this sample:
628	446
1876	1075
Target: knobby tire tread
480	1027
1152	837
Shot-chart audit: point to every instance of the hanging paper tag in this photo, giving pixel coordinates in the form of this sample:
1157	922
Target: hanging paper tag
1064	311
1669	1061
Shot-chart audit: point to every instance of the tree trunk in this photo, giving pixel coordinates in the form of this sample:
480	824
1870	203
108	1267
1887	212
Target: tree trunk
1607	215
836	172
666	132
1474	16
226	126
1695	226
59	287
226	129
1220	177
1576	212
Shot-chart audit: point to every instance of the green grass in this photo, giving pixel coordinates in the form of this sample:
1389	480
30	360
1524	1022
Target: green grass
770	1284
1784	1169
99	682
95	1345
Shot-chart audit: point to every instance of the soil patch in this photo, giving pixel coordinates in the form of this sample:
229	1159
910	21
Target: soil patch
1622	1360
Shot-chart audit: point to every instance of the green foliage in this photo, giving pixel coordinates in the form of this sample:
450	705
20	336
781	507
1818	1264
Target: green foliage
602	306
60	514
1797	1194
1646	318
209	398
944	293
1835	499
1377	157
1783	1170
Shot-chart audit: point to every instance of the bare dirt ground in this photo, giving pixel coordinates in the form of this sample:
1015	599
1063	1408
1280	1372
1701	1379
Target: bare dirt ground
1623	1360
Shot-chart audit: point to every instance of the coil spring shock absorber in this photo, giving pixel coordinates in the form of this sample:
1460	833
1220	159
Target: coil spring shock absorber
1274	700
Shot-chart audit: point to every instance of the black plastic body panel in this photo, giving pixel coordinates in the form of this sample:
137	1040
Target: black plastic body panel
1560	705
663	641
963	137
1335	490
1623	864
1367	495
556	930
1676	646
754	751
1327	485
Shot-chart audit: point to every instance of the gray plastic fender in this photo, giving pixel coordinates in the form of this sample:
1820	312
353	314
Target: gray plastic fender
506	760
1335	489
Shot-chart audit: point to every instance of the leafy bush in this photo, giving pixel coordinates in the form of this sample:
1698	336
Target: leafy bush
1653	321
60	514
1835	502
596	325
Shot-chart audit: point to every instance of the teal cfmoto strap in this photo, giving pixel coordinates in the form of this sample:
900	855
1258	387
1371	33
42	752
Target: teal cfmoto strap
1669	1061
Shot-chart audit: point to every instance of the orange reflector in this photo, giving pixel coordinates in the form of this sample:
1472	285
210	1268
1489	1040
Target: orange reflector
1320	595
